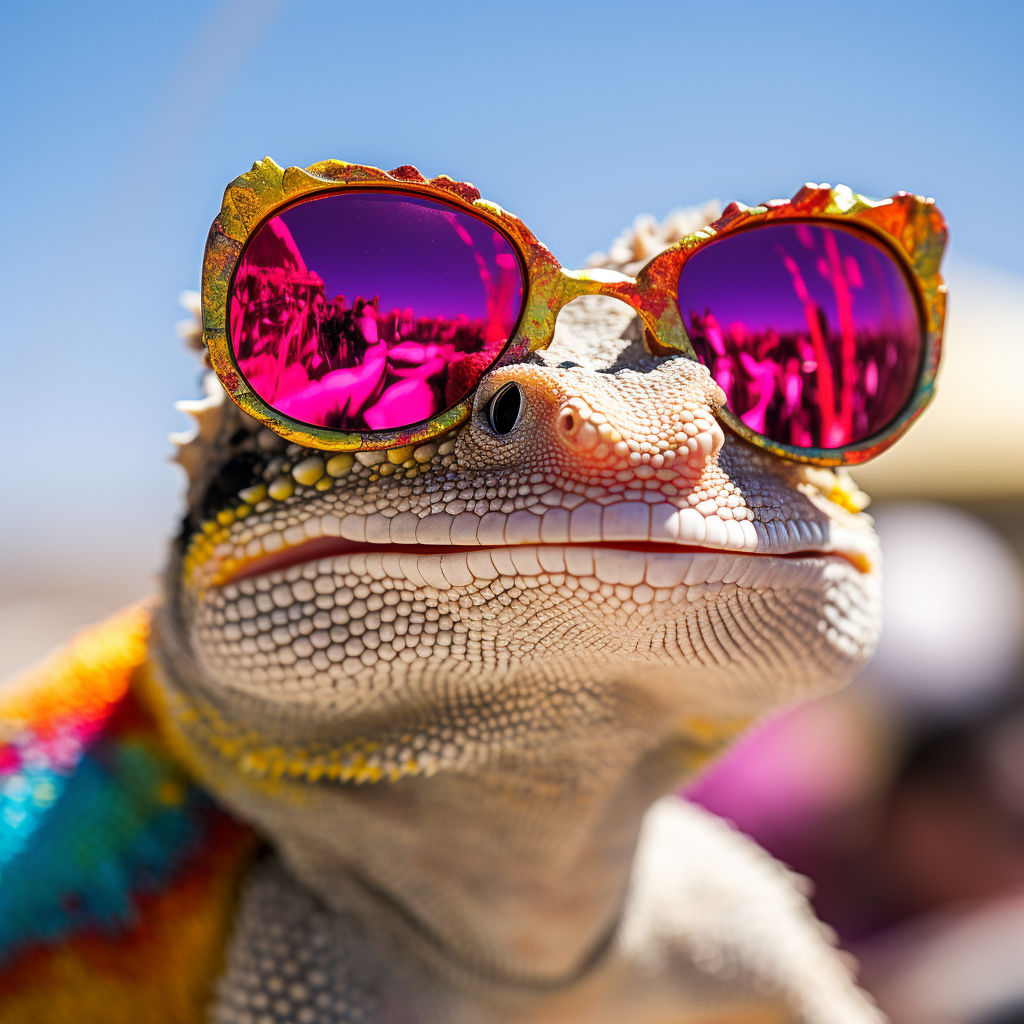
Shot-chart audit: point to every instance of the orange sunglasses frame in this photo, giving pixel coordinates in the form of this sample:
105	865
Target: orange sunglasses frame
910	227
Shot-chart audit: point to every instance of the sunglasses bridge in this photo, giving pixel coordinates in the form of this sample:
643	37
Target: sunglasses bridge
665	332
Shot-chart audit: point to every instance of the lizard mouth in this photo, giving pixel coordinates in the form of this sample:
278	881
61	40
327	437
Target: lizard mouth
506	545
559	557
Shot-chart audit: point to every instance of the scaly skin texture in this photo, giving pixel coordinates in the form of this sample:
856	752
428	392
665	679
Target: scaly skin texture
449	684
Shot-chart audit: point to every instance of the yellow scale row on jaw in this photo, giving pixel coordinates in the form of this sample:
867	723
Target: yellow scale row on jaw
311	471
838	486
360	760
191	723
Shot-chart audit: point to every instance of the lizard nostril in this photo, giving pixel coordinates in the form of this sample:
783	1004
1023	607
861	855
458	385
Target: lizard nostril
577	428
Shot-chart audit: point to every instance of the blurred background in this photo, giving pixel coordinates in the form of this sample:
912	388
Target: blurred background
901	799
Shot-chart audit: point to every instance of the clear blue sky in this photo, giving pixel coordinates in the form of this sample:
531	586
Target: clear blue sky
123	122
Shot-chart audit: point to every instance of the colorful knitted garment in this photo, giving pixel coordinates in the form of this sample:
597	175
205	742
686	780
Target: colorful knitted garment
118	876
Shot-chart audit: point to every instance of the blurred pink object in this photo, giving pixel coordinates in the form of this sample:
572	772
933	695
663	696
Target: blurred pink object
789	772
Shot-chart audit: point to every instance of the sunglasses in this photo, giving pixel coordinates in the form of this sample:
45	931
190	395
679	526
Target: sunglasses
349	308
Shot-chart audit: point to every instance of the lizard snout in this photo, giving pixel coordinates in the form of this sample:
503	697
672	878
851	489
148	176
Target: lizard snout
635	424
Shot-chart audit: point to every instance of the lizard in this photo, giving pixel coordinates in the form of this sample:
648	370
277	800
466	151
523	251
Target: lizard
426	711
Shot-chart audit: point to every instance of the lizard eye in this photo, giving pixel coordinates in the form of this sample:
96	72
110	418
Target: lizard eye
504	407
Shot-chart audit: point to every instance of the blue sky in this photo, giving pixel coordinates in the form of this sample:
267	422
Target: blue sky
122	123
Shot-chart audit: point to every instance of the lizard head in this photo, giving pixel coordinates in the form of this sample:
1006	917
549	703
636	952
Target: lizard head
587	576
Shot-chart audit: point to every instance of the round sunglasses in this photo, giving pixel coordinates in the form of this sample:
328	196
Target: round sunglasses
349	308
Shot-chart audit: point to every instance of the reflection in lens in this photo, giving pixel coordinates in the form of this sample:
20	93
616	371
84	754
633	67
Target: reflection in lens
372	310
812	332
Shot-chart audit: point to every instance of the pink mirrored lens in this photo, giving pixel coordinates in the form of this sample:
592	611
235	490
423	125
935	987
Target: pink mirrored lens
812	332
372	310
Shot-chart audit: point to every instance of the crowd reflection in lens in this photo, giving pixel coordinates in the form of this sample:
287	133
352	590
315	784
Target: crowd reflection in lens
812	332
424	298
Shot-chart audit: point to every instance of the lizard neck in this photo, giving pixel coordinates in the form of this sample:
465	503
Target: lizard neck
518	873
516	870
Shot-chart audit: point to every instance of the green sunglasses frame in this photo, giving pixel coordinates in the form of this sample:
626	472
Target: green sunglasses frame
910	227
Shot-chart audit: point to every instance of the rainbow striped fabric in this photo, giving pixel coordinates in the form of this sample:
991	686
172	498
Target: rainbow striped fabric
118	875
